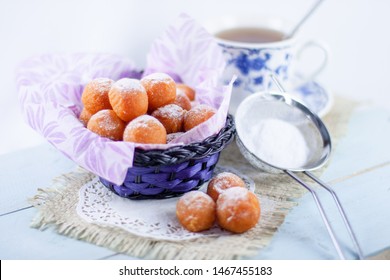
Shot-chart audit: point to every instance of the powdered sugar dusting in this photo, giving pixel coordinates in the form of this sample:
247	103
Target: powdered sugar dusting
127	85
171	111
279	143
224	180
230	197
143	121
158	77
196	200
180	90
201	108
101	85
108	124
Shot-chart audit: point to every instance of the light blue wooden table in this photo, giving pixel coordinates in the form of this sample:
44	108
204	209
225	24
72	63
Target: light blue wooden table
359	172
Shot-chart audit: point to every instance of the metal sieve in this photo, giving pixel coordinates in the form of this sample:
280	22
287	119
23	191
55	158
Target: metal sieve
273	131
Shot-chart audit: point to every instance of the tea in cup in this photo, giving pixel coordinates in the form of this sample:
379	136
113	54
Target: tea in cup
254	48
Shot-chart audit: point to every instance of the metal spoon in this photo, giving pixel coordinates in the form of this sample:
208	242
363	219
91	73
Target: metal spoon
299	24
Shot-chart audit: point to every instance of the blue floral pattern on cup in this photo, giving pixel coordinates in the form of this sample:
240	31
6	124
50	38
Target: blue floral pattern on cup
252	65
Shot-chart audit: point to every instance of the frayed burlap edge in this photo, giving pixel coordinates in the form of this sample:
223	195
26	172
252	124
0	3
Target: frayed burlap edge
57	208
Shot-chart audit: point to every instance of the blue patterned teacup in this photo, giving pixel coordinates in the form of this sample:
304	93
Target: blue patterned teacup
254	48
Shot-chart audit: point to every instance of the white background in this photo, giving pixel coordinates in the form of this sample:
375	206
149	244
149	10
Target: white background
356	32
108	269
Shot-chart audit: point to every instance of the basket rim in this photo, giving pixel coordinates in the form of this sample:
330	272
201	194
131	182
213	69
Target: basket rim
178	154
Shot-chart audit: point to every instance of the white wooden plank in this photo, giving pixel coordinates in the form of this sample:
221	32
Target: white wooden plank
19	241
24	171
366	144
366	201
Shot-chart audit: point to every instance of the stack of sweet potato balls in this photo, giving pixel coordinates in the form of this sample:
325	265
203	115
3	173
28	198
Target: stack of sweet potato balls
152	110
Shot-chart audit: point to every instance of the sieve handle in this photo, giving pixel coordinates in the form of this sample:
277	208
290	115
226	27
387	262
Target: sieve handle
277	83
332	235
341	211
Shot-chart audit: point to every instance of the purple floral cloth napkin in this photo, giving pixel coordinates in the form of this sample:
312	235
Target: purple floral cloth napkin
50	88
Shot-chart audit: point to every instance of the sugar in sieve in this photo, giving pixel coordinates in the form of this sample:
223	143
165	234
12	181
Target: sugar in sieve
277	134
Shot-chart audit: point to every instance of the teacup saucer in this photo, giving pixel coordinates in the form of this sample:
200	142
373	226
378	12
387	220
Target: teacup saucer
312	94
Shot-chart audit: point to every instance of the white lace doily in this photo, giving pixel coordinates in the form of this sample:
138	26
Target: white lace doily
154	219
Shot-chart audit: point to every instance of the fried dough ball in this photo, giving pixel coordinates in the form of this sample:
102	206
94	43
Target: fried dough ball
145	129
171	116
223	181
183	101
195	211
128	99
107	124
95	95
187	90
197	115
161	90
84	117
238	210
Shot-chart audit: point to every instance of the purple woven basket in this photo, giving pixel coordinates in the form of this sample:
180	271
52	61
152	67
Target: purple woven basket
172	172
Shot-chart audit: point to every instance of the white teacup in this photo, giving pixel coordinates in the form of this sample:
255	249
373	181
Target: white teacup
254	49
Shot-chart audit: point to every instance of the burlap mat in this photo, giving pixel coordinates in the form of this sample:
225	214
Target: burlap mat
57	208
